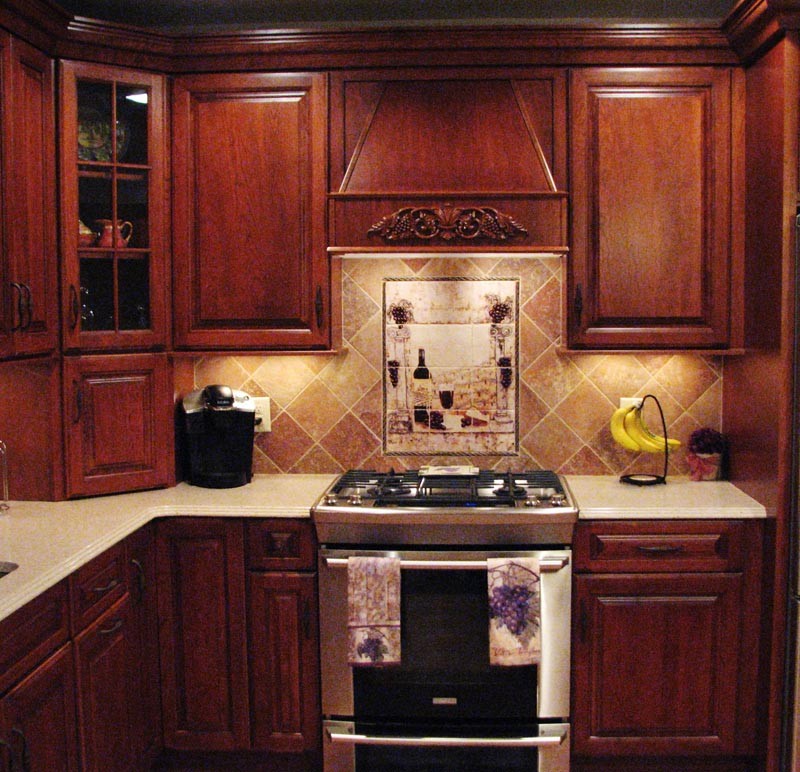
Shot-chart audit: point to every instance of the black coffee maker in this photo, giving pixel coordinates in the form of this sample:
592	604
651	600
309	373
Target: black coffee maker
219	423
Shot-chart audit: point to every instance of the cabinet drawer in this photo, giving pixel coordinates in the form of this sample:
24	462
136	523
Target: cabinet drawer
280	544
98	585
652	546
32	633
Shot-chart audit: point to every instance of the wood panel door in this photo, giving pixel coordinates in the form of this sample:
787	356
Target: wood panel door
249	247
39	718
656	662
284	664
655	177
30	286
118	423
105	688
201	601
144	667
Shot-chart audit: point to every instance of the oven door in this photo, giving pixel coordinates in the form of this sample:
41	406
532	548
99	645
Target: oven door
355	747
445	673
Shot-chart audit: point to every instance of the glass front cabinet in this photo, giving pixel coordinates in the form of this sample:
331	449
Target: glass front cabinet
114	232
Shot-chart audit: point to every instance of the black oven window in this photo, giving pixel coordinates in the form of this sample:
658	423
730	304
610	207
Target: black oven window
445	672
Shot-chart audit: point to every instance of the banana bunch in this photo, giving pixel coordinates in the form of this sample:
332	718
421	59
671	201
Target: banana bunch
630	431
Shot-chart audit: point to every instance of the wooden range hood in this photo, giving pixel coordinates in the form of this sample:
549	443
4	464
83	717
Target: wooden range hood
443	161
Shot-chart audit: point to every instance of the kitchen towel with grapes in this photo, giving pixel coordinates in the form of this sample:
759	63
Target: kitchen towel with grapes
373	611
514	611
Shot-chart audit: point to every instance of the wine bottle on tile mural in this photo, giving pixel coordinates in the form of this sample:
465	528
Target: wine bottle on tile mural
422	387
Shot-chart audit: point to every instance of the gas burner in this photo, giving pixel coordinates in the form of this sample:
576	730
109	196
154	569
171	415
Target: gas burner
509	487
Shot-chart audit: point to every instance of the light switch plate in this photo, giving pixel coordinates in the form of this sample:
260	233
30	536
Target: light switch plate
263	418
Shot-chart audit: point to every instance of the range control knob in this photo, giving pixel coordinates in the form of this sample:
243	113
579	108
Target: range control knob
558	499
354	499
330	499
530	502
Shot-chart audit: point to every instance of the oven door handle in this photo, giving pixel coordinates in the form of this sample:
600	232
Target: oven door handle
546	741
546	565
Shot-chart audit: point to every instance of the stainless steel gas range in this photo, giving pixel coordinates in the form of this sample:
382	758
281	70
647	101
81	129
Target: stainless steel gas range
444	706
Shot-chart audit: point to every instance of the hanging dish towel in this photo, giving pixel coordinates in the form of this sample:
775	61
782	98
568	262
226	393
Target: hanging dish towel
514	611
373	611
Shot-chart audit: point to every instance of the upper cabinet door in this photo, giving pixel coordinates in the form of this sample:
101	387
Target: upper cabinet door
29	199
249	246
655	170
114	211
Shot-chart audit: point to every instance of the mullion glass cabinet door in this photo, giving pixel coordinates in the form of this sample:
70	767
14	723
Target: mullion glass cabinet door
113	182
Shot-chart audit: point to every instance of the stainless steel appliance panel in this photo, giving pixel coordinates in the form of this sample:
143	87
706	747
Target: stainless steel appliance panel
552	700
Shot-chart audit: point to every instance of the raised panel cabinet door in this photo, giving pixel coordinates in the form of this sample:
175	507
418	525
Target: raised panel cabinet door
146	692
654	182
105	684
249	250
202	632
284	669
39	717
118	423
29	199
656	659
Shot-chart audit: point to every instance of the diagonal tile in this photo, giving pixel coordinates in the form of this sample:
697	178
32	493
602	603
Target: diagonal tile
223	369
317	461
349	376
619	375
283	377
316	409
686	378
285	444
357	308
545	308
585	410
350	443
551	443
552	377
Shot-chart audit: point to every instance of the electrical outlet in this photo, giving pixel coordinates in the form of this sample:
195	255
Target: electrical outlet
630	401
263	418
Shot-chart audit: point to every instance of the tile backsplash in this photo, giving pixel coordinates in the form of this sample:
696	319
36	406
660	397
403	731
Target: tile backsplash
328	409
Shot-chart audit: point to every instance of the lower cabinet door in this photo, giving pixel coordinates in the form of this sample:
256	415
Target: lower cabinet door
103	655
39	716
656	662
202	633
284	669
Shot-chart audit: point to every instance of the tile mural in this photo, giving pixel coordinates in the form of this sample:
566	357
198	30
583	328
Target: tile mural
328	410
450	348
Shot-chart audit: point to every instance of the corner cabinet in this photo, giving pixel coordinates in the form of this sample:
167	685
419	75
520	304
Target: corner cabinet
28	266
249	247
656	176
665	645
114	224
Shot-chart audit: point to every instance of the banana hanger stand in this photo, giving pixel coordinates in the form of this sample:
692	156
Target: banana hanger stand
651	479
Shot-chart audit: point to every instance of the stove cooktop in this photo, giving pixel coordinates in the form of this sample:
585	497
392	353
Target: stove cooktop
447	487
446	505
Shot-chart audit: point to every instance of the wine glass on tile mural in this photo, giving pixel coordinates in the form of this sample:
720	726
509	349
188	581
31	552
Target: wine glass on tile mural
501	343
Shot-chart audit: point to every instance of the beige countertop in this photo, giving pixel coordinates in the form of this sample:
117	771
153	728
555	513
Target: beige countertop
50	540
603	498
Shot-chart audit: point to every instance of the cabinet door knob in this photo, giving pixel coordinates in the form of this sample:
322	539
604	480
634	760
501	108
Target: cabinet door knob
26	318
23	756
319	307
141	581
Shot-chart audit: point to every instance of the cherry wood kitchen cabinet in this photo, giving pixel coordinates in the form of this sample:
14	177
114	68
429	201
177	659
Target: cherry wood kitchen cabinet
283	636
665	646
38	722
118	420
114	208
144	666
28	268
202	623
656	174
249	243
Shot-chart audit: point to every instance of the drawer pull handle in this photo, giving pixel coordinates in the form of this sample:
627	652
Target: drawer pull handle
24	757
660	549
110	586
112	629
141	580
